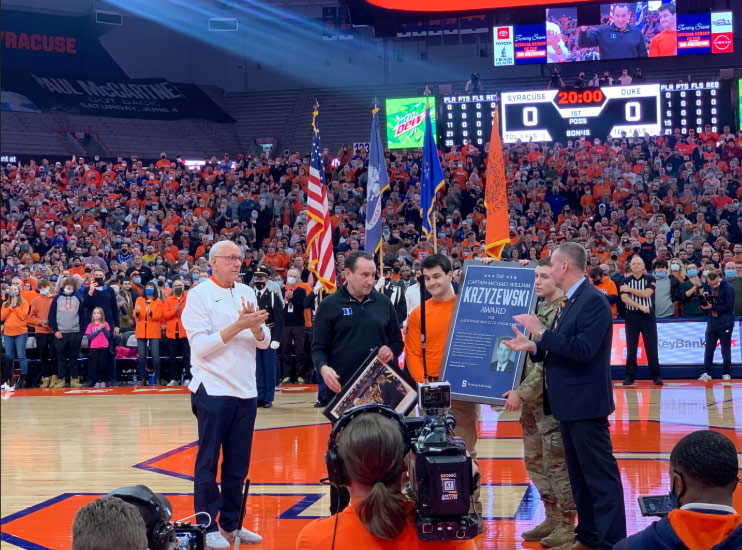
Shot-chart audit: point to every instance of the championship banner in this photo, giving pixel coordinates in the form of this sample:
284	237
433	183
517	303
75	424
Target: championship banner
479	367
153	98
678	343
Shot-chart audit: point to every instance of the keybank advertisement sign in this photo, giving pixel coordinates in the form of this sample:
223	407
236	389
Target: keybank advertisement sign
405	121
678	343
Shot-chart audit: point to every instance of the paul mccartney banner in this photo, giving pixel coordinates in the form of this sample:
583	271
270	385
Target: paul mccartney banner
479	367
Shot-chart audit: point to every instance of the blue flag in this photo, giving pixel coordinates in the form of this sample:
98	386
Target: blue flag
432	176
377	184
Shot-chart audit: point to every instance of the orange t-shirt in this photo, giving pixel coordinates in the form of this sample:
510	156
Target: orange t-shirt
608	287
664	44
437	322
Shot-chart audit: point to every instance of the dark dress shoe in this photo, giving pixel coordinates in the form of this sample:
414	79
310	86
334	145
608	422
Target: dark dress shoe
319	405
261	403
267	405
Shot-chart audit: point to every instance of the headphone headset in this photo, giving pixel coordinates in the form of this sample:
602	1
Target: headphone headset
161	535
335	468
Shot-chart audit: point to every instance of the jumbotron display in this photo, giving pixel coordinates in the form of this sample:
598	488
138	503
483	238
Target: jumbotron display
654	109
626	31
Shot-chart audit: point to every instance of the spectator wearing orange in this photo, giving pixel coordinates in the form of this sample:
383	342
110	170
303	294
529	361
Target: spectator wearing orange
278	262
38	318
15	329
147	313
177	339
600	277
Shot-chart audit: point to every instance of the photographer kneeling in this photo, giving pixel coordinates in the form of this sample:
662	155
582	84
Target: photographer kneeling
368	456
703	477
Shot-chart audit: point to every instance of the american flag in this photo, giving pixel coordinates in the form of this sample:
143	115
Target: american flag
319	231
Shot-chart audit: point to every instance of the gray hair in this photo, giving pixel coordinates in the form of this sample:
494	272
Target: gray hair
575	254
217	249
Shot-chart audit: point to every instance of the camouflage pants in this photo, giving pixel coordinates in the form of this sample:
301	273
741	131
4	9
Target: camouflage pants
544	455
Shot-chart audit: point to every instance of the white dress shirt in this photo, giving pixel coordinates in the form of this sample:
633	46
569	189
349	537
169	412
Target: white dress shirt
224	369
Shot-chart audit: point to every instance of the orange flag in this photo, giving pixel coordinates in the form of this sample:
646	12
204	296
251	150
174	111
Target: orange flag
495	196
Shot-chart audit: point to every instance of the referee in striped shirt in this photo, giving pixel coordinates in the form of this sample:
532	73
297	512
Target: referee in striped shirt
637	294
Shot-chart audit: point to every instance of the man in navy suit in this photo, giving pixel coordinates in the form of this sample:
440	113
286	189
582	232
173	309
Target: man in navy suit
576	352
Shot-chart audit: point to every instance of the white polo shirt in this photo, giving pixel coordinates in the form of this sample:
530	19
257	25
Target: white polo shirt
224	369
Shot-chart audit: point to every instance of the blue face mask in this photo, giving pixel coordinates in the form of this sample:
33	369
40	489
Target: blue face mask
118	240
149	291
138	280
730	273
195	276
660	274
158	262
692	272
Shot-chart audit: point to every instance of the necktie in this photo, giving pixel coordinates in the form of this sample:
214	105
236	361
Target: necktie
560	310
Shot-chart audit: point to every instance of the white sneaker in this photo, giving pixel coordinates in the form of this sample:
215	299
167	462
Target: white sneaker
215	541
7	387
726	377
705	377
246	537
186	381
172	383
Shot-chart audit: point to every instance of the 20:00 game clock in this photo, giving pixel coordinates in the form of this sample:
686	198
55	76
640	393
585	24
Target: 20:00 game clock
559	115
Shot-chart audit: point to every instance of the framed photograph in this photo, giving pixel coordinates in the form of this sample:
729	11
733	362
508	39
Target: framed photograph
375	382
476	362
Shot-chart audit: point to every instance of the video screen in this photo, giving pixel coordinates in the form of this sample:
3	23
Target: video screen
627	30
405	121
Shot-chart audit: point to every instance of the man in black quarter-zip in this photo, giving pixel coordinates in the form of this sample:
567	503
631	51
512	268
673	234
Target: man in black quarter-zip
349	324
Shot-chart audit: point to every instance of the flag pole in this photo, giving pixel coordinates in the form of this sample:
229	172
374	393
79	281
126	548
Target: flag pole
427	93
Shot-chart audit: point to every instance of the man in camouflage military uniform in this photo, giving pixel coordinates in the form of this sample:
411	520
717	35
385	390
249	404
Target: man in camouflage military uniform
542	439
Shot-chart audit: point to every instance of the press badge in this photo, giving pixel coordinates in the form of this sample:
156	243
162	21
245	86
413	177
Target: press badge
347	311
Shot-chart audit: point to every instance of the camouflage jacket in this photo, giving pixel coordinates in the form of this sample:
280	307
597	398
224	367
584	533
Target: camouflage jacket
532	385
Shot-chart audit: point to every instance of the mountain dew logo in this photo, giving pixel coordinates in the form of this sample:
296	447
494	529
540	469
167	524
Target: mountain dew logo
405	121
409	123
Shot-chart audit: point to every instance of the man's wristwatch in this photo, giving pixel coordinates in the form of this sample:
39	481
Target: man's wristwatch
541	331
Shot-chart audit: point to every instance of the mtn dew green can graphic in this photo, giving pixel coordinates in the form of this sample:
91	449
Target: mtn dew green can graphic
405	121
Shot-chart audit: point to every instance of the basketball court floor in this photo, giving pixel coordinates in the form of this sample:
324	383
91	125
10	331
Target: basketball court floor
62	448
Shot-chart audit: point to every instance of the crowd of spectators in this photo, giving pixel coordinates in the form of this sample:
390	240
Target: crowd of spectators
120	234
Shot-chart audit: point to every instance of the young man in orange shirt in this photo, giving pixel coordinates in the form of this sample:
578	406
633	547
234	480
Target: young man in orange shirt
437	272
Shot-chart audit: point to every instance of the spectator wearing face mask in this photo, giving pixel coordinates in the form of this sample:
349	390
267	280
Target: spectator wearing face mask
690	293
177	339
292	339
39	319
147	312
103	296
66	318
667	290
733	274
15	329
703	477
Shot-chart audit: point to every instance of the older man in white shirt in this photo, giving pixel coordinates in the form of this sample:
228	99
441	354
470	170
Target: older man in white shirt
225	328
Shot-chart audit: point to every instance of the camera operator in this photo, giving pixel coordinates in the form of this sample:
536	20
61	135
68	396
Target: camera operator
717	300
703	477
107	523
371	448
436	269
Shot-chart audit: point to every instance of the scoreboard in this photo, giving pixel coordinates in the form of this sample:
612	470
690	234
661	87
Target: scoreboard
695	104
467	117
559	115
654	109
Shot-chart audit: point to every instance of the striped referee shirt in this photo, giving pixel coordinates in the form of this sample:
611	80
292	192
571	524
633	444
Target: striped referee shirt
642	283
